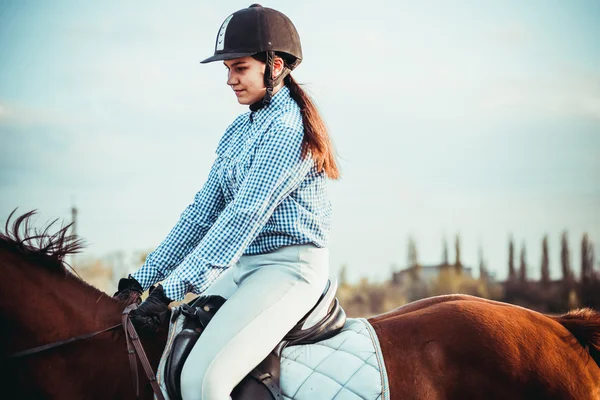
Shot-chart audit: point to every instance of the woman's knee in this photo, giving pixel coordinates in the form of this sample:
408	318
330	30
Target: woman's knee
191	383
216	388
213	384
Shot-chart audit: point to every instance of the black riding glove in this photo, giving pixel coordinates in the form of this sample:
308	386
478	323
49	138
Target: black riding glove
152	312
127	287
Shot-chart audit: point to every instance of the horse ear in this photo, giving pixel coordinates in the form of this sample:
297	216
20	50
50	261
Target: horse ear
129	297
135	297
129	290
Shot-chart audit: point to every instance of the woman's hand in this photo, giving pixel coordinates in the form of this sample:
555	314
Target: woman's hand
151	313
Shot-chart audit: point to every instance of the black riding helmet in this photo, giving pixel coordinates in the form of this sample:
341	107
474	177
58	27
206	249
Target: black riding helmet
259	29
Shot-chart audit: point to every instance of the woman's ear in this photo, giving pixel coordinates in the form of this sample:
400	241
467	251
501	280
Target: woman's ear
277	67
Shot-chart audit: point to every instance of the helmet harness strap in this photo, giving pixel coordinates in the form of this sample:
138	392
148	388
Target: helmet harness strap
270	83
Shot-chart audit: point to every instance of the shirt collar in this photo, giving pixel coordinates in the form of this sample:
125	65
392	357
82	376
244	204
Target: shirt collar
280	99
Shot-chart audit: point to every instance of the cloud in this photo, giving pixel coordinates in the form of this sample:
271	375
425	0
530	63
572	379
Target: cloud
591	106
560	94
512	33
15	114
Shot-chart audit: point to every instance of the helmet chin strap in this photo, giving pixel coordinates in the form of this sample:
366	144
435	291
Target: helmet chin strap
270	83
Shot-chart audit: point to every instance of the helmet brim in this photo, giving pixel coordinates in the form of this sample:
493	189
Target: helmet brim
226	56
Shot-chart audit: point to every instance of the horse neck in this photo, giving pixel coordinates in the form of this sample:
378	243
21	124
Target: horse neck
46	303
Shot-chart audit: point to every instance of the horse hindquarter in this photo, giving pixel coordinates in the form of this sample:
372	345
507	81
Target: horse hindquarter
461	347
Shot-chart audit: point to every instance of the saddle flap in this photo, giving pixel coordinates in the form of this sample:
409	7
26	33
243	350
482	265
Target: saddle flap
182	346
198	314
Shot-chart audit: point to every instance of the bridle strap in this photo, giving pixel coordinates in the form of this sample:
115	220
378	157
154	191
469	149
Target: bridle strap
49	346
134	346
130	349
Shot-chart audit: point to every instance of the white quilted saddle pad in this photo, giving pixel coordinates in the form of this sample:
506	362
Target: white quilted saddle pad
348	366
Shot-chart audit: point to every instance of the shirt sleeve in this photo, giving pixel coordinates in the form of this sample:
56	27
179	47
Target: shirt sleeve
277	170
192	226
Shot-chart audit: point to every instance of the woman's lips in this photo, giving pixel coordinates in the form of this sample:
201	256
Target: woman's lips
238	92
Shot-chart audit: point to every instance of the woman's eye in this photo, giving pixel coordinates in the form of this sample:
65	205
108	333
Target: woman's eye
240	69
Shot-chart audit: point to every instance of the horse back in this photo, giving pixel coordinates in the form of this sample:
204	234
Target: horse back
457	347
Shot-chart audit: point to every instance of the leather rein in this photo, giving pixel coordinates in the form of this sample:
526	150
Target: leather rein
134	347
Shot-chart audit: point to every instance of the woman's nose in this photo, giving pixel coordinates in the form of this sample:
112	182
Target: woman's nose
231	80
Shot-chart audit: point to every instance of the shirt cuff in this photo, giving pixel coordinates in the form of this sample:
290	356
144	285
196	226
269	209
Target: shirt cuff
175	289
147	276
190	277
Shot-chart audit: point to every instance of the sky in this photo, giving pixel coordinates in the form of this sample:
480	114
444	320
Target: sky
478	118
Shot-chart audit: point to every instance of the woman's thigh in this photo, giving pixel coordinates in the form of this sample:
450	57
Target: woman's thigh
271	298
224	285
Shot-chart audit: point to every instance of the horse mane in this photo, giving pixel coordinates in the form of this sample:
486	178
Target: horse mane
49	249
584	325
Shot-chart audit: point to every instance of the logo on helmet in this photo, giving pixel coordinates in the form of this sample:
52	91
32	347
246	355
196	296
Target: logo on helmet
221	35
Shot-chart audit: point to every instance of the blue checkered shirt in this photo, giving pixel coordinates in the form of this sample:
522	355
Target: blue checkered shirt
260	195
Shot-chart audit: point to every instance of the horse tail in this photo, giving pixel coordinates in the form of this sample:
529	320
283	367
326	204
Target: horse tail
584	325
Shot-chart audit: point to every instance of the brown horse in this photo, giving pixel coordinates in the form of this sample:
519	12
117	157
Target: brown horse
448	347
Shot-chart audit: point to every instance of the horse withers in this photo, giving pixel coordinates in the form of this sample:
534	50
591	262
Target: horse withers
446	347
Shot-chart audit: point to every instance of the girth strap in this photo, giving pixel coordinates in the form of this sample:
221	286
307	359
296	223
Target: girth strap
267	380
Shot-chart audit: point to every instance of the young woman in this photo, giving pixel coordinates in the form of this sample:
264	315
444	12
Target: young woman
263	213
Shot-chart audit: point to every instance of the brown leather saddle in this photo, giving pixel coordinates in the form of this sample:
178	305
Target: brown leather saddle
325	320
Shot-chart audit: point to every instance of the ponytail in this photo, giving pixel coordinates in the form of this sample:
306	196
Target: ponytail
316	138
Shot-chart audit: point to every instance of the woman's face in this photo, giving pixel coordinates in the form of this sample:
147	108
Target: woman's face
245	76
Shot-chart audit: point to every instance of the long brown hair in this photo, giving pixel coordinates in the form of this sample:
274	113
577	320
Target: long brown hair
316	138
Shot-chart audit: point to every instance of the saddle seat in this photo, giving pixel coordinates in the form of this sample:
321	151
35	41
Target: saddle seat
323	321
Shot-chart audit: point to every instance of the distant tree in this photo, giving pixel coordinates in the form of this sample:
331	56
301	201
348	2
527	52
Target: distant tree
589	290
457	250
483	273
457	263
512	274
587	259
591	259
445	253
569	296
523	266
413	255
565	261
545	262
413	260
343	275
